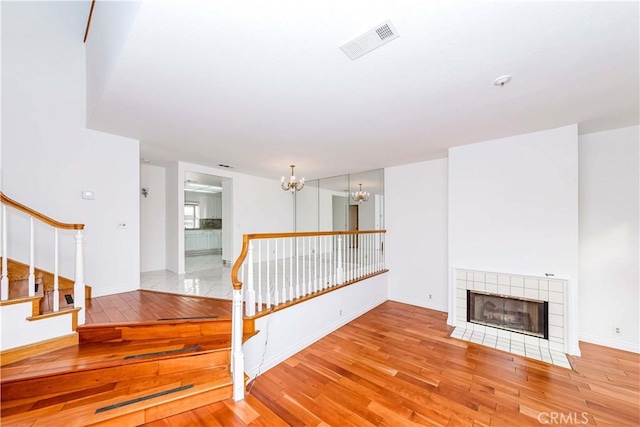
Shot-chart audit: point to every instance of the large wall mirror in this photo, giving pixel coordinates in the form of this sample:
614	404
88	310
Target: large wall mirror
332	204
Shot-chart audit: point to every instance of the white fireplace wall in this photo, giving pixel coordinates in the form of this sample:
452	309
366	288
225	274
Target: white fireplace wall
513	206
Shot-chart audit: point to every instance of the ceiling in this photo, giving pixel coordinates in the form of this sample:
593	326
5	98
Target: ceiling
261	85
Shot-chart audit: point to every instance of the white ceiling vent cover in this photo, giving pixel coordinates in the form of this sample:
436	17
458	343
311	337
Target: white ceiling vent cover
371	40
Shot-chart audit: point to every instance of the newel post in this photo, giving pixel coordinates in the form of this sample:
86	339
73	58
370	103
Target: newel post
78	286
237	359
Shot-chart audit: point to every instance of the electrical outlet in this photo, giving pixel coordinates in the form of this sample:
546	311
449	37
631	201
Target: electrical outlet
121	225
340	312
430	296
616	330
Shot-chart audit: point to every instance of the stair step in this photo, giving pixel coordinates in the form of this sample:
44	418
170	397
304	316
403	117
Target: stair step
154	330
48	403
61	377
131	407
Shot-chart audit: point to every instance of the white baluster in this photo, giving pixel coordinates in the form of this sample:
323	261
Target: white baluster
291	269
283	296
237	365
276	300
309	270
78	286
259	275
325	283
382	252
251	292
32	268
4	282
340	268
297	268
268	276
56	291
370	253
315	263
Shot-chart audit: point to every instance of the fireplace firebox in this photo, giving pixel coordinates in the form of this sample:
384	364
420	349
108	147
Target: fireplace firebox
512	314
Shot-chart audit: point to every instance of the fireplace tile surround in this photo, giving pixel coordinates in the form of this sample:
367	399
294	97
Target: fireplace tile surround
552	290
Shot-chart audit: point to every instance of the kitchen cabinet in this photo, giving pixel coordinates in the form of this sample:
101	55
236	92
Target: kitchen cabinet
217	206
202	240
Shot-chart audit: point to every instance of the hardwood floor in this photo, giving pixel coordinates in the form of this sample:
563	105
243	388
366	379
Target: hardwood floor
143	305
396	366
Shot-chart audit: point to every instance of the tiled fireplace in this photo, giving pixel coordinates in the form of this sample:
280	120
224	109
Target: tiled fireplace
524	315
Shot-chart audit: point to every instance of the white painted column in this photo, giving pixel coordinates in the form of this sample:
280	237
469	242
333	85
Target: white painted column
78	286
237	360
32	268
4	282
56	290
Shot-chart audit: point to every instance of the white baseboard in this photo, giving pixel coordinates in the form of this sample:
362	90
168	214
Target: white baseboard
100	292
620	345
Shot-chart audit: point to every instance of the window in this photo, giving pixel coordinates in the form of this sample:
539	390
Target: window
191	215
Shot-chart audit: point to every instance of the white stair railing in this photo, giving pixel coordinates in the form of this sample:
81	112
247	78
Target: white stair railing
292	267
79	285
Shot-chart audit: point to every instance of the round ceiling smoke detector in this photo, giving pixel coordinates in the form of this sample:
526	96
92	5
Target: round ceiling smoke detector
502	80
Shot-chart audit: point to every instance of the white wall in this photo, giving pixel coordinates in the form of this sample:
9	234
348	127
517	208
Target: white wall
416	240
111	23
513	208
49	156
609	238
284	334
153	221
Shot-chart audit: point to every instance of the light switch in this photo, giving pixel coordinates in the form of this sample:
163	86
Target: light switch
88	195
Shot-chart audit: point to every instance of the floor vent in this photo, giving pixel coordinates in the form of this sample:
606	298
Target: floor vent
371	40
143	398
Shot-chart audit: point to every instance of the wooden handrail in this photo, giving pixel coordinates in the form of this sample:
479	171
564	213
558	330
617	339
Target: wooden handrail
52	222
311	233
245	245
237	285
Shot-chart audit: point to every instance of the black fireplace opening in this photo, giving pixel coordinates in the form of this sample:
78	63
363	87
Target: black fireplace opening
512	314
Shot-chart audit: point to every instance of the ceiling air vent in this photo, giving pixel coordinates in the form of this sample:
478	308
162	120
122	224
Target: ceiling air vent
372	39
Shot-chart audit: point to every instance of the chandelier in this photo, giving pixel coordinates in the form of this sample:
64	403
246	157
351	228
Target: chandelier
292	185
360	196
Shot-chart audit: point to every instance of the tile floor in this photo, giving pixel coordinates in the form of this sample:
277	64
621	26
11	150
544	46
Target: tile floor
205	276
514	346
